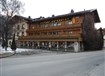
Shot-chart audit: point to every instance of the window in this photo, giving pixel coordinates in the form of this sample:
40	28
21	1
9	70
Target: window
18	27
59	23
22	33
45	33
17	33
37	33
46	25
70	32
56	24
69	22
55	33
23	26
77	19
50	33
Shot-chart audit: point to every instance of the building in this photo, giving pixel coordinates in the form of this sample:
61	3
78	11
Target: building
19	28
62	31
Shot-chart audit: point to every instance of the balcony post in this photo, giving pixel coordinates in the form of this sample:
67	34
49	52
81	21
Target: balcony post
76	47
38	44
49	45
57	45
23	44
65	46
27	44
33	44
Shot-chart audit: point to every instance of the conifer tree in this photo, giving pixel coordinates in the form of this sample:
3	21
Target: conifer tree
13	45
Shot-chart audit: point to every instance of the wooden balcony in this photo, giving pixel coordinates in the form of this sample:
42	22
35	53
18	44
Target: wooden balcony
72	26
52	37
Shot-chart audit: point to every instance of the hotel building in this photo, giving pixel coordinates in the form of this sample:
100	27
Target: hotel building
57	32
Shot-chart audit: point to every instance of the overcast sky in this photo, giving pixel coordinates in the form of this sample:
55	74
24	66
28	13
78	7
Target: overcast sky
46	8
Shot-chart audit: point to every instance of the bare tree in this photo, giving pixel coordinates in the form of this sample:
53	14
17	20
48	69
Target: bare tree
9	8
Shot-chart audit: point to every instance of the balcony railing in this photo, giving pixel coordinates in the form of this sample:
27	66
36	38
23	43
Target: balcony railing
51	36
55	27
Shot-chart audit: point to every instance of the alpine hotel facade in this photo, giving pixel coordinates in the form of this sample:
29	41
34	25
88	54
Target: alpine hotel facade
62	31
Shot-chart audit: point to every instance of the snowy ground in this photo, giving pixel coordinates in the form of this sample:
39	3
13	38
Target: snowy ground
22	51
18	50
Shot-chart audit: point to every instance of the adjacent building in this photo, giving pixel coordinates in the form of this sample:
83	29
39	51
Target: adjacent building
62	31
19	28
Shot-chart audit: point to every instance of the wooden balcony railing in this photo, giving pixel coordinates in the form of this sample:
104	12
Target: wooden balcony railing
55	27
51	36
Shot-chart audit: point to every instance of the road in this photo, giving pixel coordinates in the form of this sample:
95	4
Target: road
70	64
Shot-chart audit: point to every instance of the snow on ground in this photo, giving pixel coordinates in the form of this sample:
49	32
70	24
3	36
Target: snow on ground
24	51
18	50
3	50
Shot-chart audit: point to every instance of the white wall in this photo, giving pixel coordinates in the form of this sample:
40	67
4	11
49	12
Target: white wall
20	30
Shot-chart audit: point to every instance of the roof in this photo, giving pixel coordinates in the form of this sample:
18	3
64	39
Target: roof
96	16
21	17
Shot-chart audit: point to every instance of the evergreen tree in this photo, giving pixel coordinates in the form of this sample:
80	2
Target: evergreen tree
3	41
13	45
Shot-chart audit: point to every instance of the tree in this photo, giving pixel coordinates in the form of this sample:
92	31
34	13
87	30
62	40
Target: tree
100	39
13	45
92	39
9	8
88	32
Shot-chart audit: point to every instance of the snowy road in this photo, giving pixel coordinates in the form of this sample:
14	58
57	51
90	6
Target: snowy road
71	64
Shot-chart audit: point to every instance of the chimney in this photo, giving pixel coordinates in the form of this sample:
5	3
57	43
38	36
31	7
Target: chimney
29	17
53	15
72	11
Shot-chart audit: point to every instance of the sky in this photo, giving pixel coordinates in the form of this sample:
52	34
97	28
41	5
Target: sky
47	8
